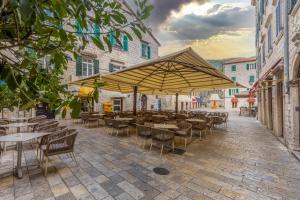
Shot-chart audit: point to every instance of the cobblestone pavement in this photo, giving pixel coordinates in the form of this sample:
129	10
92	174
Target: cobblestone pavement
243	161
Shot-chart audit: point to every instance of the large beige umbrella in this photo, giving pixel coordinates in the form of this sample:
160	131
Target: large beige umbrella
178	73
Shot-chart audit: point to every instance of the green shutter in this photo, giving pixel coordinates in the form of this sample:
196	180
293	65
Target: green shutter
78	28
79	66
125	42
237	91
111	38
97	31
148	52
111	67
143	50
233	68
247	67
233	79
254	65
96	66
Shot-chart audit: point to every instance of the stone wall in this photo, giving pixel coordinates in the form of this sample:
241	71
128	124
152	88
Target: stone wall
289	115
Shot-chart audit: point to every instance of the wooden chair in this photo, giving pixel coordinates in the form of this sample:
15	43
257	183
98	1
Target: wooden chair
55	133
92	120
120	126
37	119
162	137
184	131
2	145
143	132
44	126
200	127
59	145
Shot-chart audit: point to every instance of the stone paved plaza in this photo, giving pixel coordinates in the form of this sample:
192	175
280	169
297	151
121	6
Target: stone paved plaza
243	161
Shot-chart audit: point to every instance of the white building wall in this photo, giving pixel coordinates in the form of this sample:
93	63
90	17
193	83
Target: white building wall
242	76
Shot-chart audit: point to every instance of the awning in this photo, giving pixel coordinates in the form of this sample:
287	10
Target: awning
85	91
181	72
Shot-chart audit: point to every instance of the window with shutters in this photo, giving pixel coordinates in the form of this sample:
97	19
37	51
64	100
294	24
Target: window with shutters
87	67
233	68
145	50
233	91
123	41
251	79
113	67
263	54
270	38
291	5
251	66
279	25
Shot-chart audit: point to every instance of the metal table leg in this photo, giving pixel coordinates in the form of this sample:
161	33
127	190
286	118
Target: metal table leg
19	160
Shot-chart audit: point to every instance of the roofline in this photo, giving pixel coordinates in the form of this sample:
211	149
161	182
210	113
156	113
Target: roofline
238	61
132	12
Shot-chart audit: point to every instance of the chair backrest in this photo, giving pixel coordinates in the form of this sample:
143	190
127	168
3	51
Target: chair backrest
2	131
49	124
184	125
57	128
38	118
162	134
142	129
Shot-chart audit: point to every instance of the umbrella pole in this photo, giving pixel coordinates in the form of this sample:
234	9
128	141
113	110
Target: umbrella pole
176	103
135	88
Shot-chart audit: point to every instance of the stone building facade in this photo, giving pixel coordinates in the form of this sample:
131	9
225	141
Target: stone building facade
96	61
243	71
278	68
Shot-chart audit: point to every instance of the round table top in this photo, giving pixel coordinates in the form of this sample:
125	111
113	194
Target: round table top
165	126
18	118
124	119
195	120
162	116
17	125
22	137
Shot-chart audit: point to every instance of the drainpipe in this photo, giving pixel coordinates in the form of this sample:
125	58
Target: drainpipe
286	47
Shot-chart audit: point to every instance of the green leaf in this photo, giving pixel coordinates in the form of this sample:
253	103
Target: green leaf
137	32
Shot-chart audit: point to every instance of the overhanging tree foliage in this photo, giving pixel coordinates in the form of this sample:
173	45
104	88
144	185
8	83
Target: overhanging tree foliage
33	31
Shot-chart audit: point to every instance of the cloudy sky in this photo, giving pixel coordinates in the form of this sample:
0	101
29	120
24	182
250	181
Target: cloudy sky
216	29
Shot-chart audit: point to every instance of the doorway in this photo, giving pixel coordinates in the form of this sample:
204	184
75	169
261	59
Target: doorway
270	108
144	102
280	108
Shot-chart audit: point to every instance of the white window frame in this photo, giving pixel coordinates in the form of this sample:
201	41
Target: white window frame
87	67
119	106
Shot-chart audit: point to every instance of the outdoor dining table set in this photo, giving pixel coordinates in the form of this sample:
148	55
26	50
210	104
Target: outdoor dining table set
37	129
163	128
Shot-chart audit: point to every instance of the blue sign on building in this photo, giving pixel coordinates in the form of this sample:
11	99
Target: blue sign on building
200	100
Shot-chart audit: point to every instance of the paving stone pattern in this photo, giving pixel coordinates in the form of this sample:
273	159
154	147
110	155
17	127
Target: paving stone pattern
243	161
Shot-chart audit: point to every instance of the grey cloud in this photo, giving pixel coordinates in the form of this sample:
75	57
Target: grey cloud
190	27
214	9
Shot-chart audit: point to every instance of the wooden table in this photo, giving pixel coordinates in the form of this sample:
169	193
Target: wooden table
19	138
18	125
195	120
124	119
165	126
160	116
18	119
